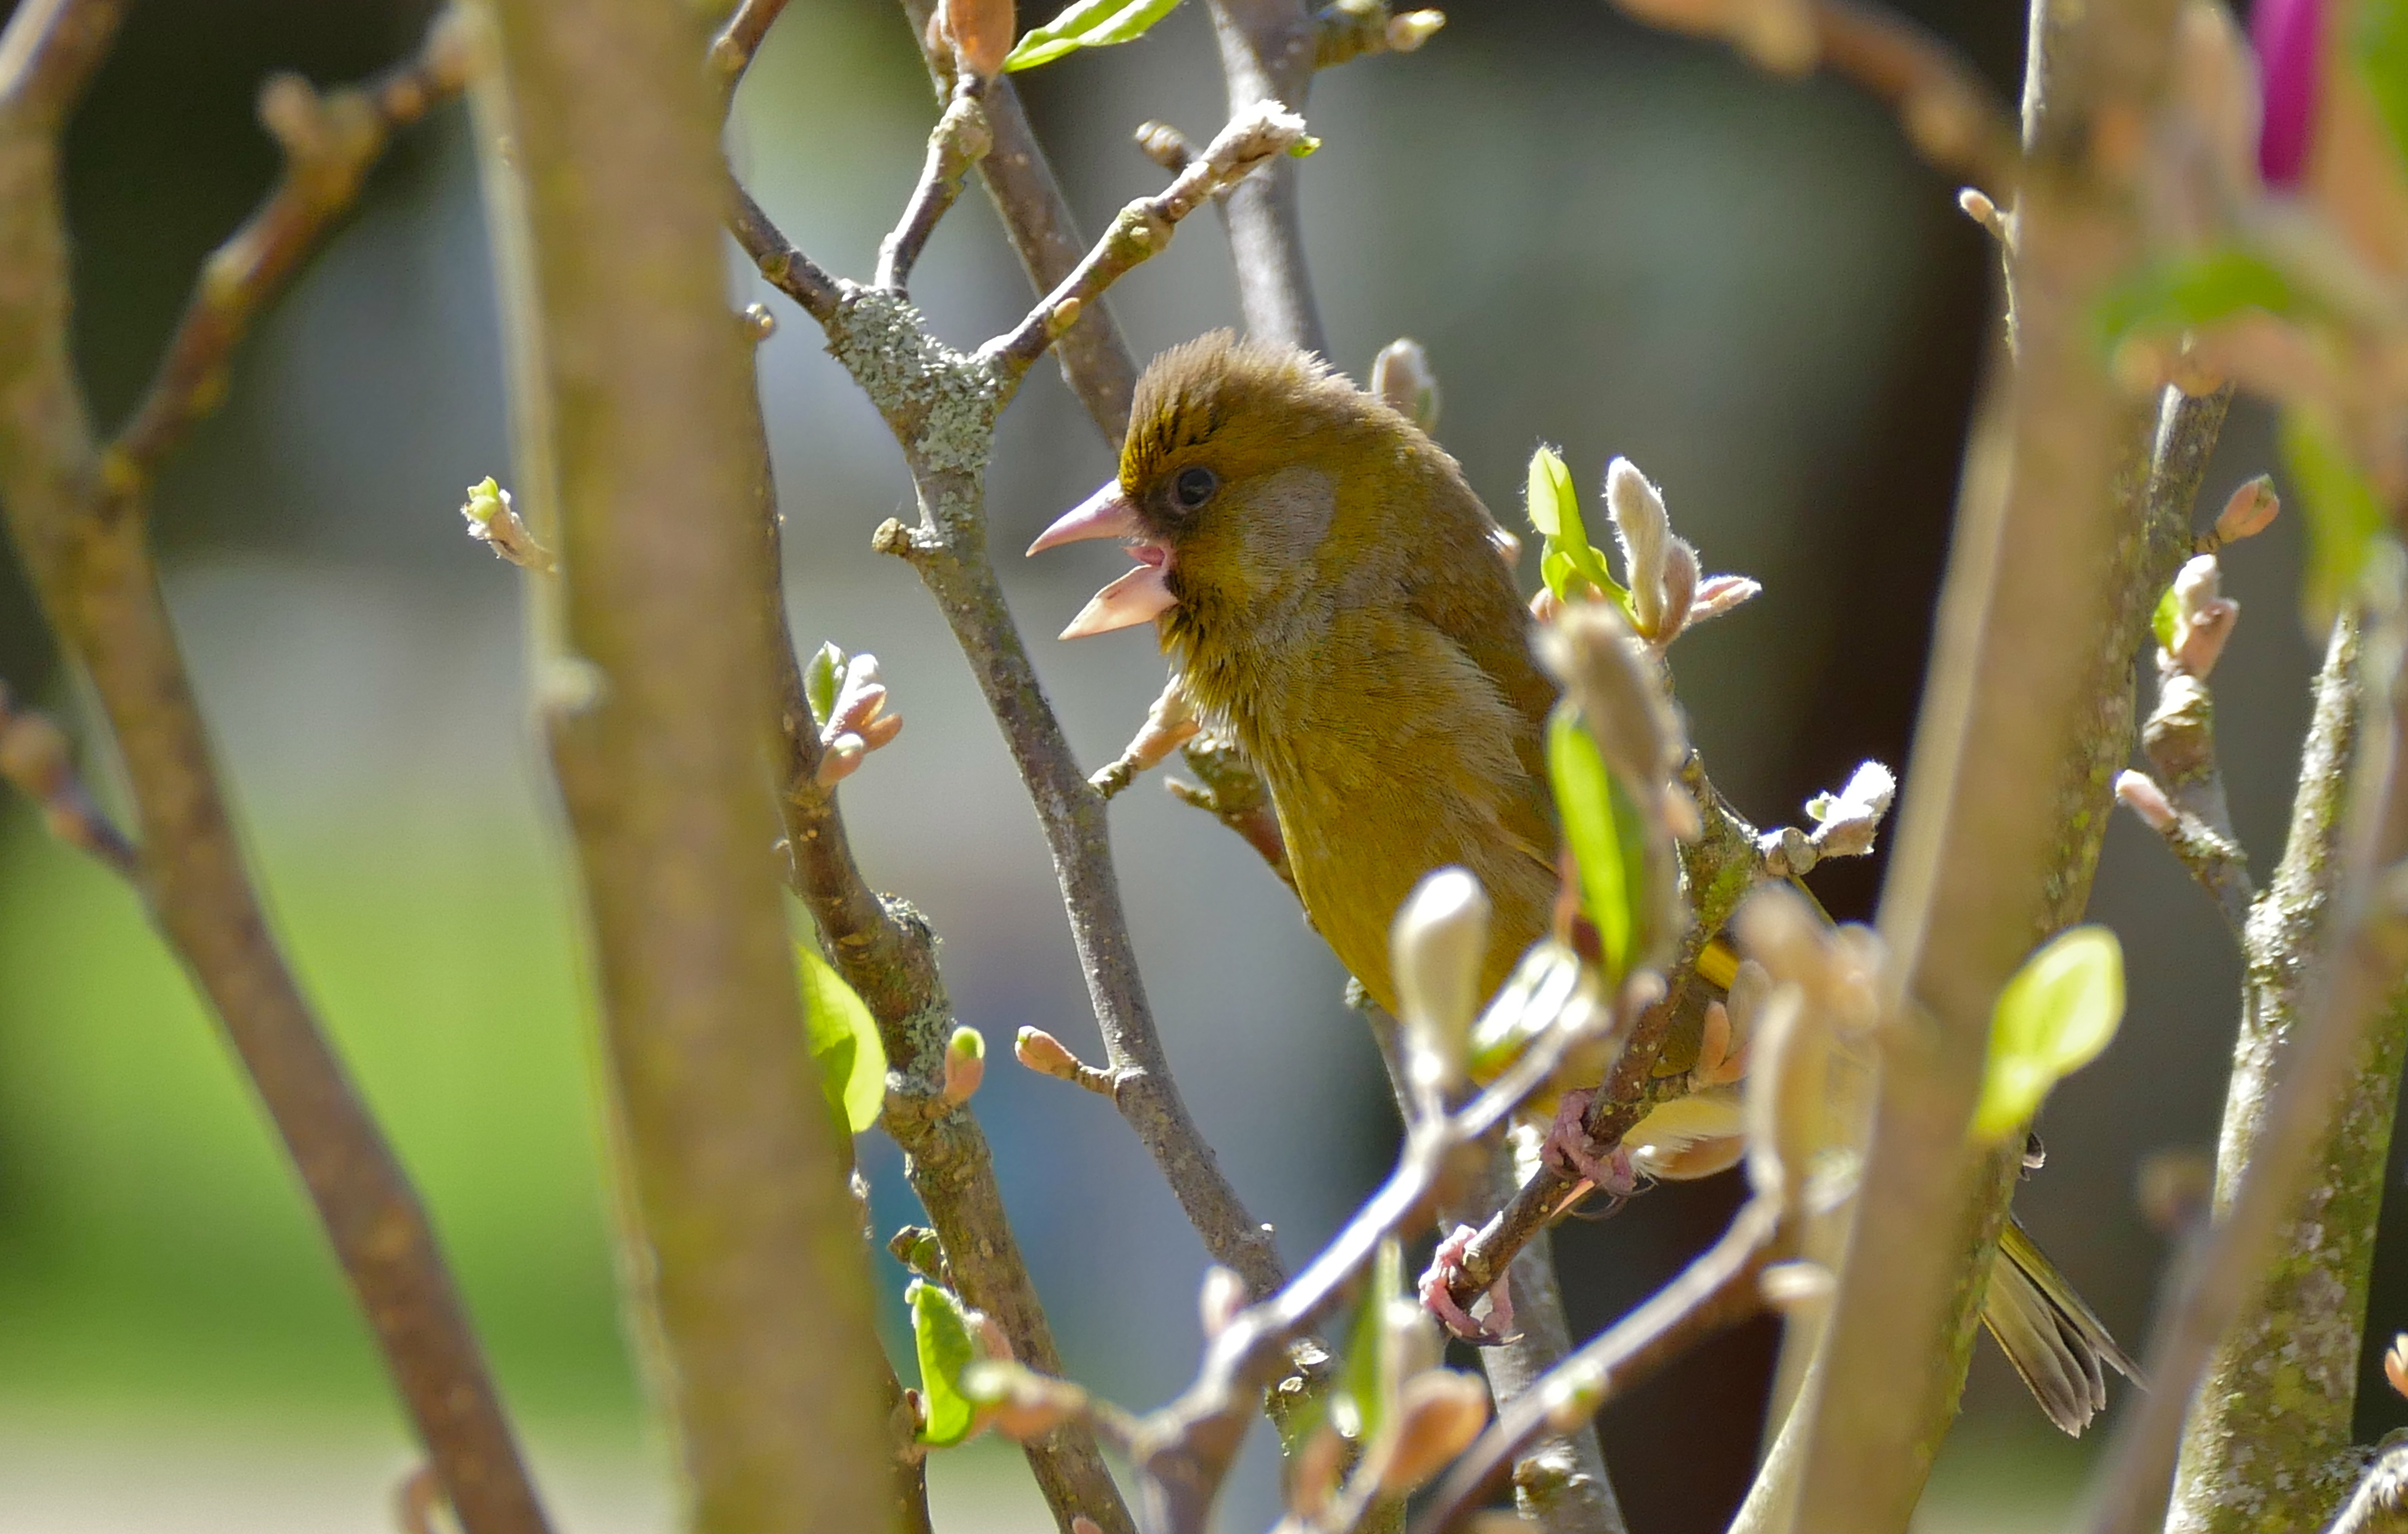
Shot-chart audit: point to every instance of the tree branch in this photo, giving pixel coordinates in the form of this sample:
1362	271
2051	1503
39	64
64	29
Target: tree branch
2027	718
1037	220
36	760
89	557
732	51
959	140
749	1261
1267	55
886	951
2281	1378
329	142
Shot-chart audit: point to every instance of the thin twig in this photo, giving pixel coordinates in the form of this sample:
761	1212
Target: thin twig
887	953
1715	1292
1719	866
35	758
732	50
1948	111
746	1251
1037	218
2179	737
1255	137
781	266
1267	55
91	564
959	140
941	405
1184	1450
330	142
2341	998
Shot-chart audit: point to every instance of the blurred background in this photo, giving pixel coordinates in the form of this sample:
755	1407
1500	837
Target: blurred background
1609	239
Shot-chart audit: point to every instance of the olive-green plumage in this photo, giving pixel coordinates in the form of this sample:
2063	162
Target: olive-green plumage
1342	611
1330	591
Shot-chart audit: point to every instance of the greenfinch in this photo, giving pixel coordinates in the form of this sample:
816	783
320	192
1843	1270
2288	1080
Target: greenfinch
1332	597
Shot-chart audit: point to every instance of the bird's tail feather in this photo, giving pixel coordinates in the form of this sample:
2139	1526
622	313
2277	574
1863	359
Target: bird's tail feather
2055	1342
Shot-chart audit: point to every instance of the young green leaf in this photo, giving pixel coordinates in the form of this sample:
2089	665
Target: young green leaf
940	1335
822	674
1567	561
2343	516
1604	831
1087	24
2194	290
843	1043
1364	1391
2053	1018
2163	618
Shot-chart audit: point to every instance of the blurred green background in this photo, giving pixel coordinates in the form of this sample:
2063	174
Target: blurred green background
1609	240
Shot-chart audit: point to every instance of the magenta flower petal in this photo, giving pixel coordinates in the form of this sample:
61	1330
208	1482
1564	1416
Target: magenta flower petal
2288	35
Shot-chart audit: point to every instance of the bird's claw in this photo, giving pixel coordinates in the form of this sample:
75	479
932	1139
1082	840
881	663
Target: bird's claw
1437	1291
1567	1149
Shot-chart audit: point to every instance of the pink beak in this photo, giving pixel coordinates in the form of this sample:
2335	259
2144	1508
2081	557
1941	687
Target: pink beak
1142	594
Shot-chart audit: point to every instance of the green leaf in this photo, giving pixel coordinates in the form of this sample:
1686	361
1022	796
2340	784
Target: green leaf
843	1043
2053	1018
940	1335
1364	1390
2194	290
822	674
1089	23
2343	516
2379	49
2161	622
1604	831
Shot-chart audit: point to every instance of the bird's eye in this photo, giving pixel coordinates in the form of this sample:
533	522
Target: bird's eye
1194	486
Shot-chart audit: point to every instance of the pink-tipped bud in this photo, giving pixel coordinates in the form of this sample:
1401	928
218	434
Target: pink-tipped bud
2289	39
982	33
2395	1363
965	1065
2249	511
2139	793
1045	1054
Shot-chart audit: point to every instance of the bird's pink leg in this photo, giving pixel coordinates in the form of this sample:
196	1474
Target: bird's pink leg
1567	1149
1437	1290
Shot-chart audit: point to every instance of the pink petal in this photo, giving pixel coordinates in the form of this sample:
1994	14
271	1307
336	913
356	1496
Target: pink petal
2288	35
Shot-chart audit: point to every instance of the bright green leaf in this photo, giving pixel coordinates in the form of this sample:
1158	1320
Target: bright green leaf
1555	512
2194	290
2161	622
1603	827
2053	1018
2379	47
2343	516
844	1042
1089	23
940	1335
822	675
1364	1390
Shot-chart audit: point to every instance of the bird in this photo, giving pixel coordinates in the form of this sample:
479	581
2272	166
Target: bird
1330	592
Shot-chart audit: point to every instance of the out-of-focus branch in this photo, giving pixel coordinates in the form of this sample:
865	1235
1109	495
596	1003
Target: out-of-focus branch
732	50
2273	1310
36	760
2054	572
1267	55
887	953
89	556
751	1261
329	142
1037	220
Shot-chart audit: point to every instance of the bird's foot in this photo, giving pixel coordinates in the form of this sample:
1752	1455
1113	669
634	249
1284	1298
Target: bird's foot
1437	1290
1567	1149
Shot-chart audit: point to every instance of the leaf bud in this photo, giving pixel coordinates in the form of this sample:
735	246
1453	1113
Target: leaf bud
2139	793
981	32
1438	945
1408	29
1644	530
2248	511
2395	1363
1045	1054
1438	1415
965	1065
1402	376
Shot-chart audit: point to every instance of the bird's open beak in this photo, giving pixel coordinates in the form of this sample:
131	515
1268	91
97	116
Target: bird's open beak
1141	595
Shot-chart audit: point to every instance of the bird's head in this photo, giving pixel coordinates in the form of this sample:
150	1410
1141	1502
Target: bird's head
1249	470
